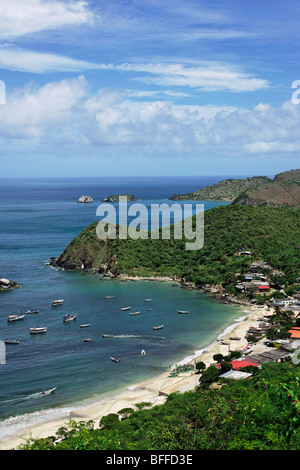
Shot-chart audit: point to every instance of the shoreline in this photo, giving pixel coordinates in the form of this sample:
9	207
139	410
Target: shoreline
154	390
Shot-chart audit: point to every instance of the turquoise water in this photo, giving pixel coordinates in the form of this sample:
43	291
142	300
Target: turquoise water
38	219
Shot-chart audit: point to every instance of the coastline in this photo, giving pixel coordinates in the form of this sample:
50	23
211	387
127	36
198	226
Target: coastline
154	390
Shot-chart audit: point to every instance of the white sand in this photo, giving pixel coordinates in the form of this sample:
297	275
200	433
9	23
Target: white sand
154	390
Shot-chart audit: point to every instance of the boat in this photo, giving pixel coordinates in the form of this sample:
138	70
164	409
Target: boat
149	309
11	341
87	340
183	311
15	317
107	335
125	308
143	352
85	325
109	296
69	317
47	392
28	312
234	338
158	327
115	359
57	302
134	313
38	330
147	300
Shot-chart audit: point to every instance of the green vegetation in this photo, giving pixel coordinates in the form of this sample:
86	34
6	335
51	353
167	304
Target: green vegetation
271	234
260	413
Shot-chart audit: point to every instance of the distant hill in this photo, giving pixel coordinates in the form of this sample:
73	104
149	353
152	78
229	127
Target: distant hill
226	190
275	193
292	175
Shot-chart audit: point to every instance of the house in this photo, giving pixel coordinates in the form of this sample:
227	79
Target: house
239	364
263	287
235	374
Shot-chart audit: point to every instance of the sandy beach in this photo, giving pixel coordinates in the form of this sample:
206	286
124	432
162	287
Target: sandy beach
154	390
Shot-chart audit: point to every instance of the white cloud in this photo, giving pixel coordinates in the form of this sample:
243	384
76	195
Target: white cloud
22	60
66	114
19	18
208	76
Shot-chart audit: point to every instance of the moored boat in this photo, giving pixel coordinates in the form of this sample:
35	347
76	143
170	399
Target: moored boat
11	341
147	300
87	340
143	352
158	327
85	325
183	311
38	330
134	313
125	308
15	317
28	312
109	296
69	317
57	302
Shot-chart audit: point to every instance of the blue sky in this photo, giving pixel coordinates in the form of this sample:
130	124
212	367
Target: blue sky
149	87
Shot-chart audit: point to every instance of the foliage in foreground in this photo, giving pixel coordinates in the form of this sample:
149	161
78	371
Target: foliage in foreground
260	413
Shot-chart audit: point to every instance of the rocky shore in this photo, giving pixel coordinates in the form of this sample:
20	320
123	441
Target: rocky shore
6	285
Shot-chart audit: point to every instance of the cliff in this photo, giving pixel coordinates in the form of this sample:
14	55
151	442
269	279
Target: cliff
226	190
275	193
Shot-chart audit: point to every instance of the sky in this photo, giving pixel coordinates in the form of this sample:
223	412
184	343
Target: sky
149	87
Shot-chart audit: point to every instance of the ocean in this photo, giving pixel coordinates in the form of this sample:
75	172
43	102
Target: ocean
39	217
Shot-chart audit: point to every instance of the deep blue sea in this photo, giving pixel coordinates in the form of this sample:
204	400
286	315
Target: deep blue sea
39	217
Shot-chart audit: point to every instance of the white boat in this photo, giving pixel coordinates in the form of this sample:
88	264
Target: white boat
147	300
143	352
85	325
115	359
109	296
38	330
125	308
15	317
107	335
134	313
158	327
183	311
87	340
47	392
11	341
57	302
69	317
28	312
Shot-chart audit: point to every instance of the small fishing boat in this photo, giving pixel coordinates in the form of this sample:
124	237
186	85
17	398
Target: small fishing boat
107	335
11	341
147	300
38	330
183	311
28	312
15	317
158	327
69	317
115	359
109	296
57	302
85	325
87	340
143	352
47	392
234	338
125	308
149	309
134	313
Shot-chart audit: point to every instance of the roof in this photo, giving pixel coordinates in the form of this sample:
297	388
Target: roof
263	287
235	374
240	364
295	332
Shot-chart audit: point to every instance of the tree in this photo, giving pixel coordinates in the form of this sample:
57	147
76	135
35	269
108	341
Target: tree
200	366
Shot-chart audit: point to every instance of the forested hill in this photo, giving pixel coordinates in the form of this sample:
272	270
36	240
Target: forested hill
272	234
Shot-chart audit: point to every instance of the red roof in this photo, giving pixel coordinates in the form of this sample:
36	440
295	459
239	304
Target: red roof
263	287
236	365
295	332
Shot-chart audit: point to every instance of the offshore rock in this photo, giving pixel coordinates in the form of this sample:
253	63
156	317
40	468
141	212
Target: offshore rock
85	199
